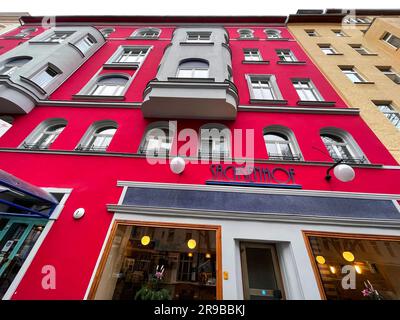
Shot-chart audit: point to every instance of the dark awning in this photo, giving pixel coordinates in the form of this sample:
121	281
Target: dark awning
20	198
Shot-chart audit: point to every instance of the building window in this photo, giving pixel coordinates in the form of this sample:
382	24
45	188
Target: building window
391	39
264	87
147	33
6	123
286	55
327	49
183	258
107	31
373	261
109	85
352	74
357	20
389	111
128	55
98	136
281	144
215	141
246	33
360	49
158	139
193	69
198	36
311	33
339	33
14	64
341	146
58	36
25	32
45	134
85	43
252	55
45	76
391	74
306	90
273	33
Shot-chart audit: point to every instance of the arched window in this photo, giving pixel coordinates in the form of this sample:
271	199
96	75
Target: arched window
45	134
341	146
194	68
273	33
12	65
109	85
246	33
147	33
107	31
98	137
157	139
6	123
281	144
215	141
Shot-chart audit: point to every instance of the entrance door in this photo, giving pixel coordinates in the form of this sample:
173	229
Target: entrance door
17	237
262	278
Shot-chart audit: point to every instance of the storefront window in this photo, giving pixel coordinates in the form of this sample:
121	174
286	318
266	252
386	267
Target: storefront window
155	263
356	269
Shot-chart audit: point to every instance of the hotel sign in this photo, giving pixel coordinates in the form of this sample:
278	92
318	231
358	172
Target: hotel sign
257	176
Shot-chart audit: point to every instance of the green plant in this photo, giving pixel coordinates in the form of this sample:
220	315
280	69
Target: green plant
152	290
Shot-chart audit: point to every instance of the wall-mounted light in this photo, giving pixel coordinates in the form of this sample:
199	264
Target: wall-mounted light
177	165
341	171
79	213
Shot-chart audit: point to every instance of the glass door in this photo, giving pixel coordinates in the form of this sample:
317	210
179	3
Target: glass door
261	274
17	237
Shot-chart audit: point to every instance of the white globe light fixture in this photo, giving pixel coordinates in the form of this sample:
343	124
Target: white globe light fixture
177	165
343	172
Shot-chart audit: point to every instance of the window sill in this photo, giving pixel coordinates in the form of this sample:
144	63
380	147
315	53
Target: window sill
316	103
254	38
117	65
334	54
189	43
364	82
142	38
369	54
255	61
176	79
44	42
268	101
277	39
91	97
291	62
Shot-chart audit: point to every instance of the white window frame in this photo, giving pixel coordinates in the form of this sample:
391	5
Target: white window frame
12	66
350	71
299	86
387	37
161	147
85	44
271	86
327	49
119	90
196	36
137	33
106	32
311	32
339	33
193	70
252	54
392	114
58	36
87	141
291	142
390	73
286	55
246	33
360	49
43	78
119	53
273	33
214	141
357	20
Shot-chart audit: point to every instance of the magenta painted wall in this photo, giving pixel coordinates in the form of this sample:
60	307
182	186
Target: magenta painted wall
72	246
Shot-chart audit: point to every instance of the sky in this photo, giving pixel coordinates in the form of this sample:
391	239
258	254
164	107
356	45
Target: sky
182	7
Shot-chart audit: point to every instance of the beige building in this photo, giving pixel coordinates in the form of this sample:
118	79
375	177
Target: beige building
360	55
10	20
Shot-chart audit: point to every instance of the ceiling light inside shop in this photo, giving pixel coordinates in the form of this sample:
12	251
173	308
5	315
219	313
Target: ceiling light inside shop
145	240
320	259
348	256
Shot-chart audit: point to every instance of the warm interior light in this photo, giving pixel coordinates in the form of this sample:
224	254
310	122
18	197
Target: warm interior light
191	244
348	256
358	269
145	240
332	269
190	254
208	255
320	259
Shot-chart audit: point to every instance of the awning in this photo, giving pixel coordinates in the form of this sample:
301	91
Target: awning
20	198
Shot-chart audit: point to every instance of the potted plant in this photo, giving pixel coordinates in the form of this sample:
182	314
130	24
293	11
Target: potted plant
151	290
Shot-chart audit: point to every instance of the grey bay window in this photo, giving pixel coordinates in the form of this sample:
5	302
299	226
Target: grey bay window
198	36
58	36
352	74
98	137
194	68
389	111
390	73
85	43
252	55
113	85
306	90
341	146
286	55
45	134
45	76
263	87
12	65
391	39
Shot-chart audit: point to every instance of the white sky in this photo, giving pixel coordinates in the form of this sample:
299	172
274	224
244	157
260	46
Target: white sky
182	7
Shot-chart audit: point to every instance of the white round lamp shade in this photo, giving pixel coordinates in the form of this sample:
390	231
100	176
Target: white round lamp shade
177	165
344	172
